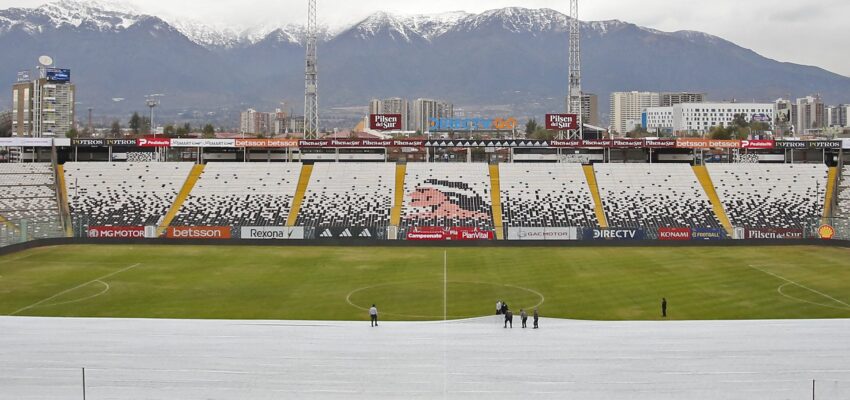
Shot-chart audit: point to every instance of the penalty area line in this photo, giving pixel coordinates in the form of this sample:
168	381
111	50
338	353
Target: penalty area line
34	305
800	285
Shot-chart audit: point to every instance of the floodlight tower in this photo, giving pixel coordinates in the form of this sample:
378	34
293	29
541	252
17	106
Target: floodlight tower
574	104
311	91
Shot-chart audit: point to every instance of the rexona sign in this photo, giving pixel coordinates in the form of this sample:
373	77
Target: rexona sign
473	124
198	232
272	232
116	232
385	122
561	122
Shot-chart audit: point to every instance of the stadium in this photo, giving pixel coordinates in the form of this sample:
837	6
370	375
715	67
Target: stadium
255	279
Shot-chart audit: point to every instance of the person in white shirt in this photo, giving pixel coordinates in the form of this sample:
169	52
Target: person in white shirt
373	313
498	307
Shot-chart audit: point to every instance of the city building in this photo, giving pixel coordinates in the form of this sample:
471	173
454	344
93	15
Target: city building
253	122
394	105
669	99
627	109
425	109
810	115
589	108
44	107
836	116
699	118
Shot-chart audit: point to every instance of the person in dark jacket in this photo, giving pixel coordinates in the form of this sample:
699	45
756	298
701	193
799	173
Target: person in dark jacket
536	317
509	318
523	316
663	307
504	307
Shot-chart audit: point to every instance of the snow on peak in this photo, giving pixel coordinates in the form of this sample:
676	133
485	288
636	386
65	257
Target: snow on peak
381	22
98	14
434	25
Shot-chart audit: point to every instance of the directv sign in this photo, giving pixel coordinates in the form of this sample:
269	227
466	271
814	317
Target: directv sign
472	124
58	75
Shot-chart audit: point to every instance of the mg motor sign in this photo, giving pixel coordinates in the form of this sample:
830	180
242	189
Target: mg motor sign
773	233
674	234
153	142
198	232
561	122
272	232
116	232
758	144
614	234
385	122
543	234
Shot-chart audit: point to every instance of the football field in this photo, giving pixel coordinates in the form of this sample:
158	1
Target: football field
415	284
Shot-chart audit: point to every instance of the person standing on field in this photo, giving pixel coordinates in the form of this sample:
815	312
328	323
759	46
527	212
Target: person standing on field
536	317
504	308
509	319
523	316
498	307
663	307
373	314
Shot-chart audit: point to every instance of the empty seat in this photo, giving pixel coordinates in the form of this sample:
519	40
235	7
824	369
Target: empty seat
546	195
447	195
349	195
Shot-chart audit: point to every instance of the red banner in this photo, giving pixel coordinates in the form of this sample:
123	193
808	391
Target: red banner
431	233
773	233
354	143
661	144
267	143
116	232
153	142
674	233
707	144
561	122
628	143
198	232
385	122
758	144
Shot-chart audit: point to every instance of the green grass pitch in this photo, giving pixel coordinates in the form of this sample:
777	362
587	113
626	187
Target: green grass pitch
338	283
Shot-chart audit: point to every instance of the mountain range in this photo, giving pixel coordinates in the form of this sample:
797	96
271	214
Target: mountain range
512	58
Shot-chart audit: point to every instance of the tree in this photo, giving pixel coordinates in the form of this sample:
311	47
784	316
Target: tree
188	127
541	134
72	133
721	133
638	132
181	131
168	130
531	127
136	123
209	131
115	129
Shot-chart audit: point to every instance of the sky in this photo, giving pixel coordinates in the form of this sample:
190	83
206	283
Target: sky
809	32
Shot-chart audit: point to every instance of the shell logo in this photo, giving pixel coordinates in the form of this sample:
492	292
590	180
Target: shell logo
826	232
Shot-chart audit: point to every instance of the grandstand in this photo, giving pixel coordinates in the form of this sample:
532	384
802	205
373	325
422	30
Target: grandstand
240	194
447	195
123	194
355	195
28	202
546	195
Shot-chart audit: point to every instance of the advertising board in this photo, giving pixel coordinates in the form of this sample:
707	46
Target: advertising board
266	143
363	233
272	232
472	124
561	122
102	142
773	233
808	144
613	234
116	232
758	144
203	142
25	142
674	234
198	232
153	142
385	122
707	234
58	74
543	234
826	232
454	233
707	144
661	143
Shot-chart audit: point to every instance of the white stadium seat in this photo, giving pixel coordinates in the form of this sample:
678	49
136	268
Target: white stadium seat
349	195
447	195
546	195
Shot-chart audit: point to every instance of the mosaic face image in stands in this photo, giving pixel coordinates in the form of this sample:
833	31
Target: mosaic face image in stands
444	200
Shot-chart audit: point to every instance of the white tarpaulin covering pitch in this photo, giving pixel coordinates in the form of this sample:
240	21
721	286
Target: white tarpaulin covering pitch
473	359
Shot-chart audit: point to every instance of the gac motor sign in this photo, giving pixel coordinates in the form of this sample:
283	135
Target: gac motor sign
385	122
116	232
561	122
198	232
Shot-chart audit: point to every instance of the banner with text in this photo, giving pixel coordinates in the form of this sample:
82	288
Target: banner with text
198	232
116	232
613	234
674	233
272	232
543	233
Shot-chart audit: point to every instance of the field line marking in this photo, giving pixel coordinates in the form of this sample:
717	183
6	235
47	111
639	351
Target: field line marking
75	288
106	288
779	289
800	285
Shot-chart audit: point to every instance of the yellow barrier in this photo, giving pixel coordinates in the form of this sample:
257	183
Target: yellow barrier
496	196
191	180
303	181
398	202
590	174
708	186
830	193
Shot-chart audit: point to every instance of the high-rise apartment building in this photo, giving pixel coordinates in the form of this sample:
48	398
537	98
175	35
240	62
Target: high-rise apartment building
394	105
425	109
836	116
699	118
44	107
627	108
810	114
670	99
253	122
589	108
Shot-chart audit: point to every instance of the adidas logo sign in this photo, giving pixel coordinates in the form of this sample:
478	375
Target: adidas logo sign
346	234
365	234
327	234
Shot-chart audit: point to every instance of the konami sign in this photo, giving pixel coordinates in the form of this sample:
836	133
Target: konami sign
561	122
153	142
385	122
674	234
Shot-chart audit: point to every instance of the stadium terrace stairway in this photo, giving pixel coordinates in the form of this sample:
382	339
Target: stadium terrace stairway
63	199
398	195
496	194
831	184
301	189
590	174
29	206
191	180
708	186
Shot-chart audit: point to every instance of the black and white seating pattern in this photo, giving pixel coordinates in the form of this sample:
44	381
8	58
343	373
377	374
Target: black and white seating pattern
771	195
447	195
28	200
654	196
843	195
349	195
546	195
241	194
123	194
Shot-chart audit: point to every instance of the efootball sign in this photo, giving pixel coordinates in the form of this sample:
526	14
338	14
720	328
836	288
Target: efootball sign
561	122
385	122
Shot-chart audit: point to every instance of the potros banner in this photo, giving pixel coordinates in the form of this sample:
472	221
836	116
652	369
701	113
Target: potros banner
543	233
613	234
272	232
455	233
198	232
772	233
674	233
116	232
